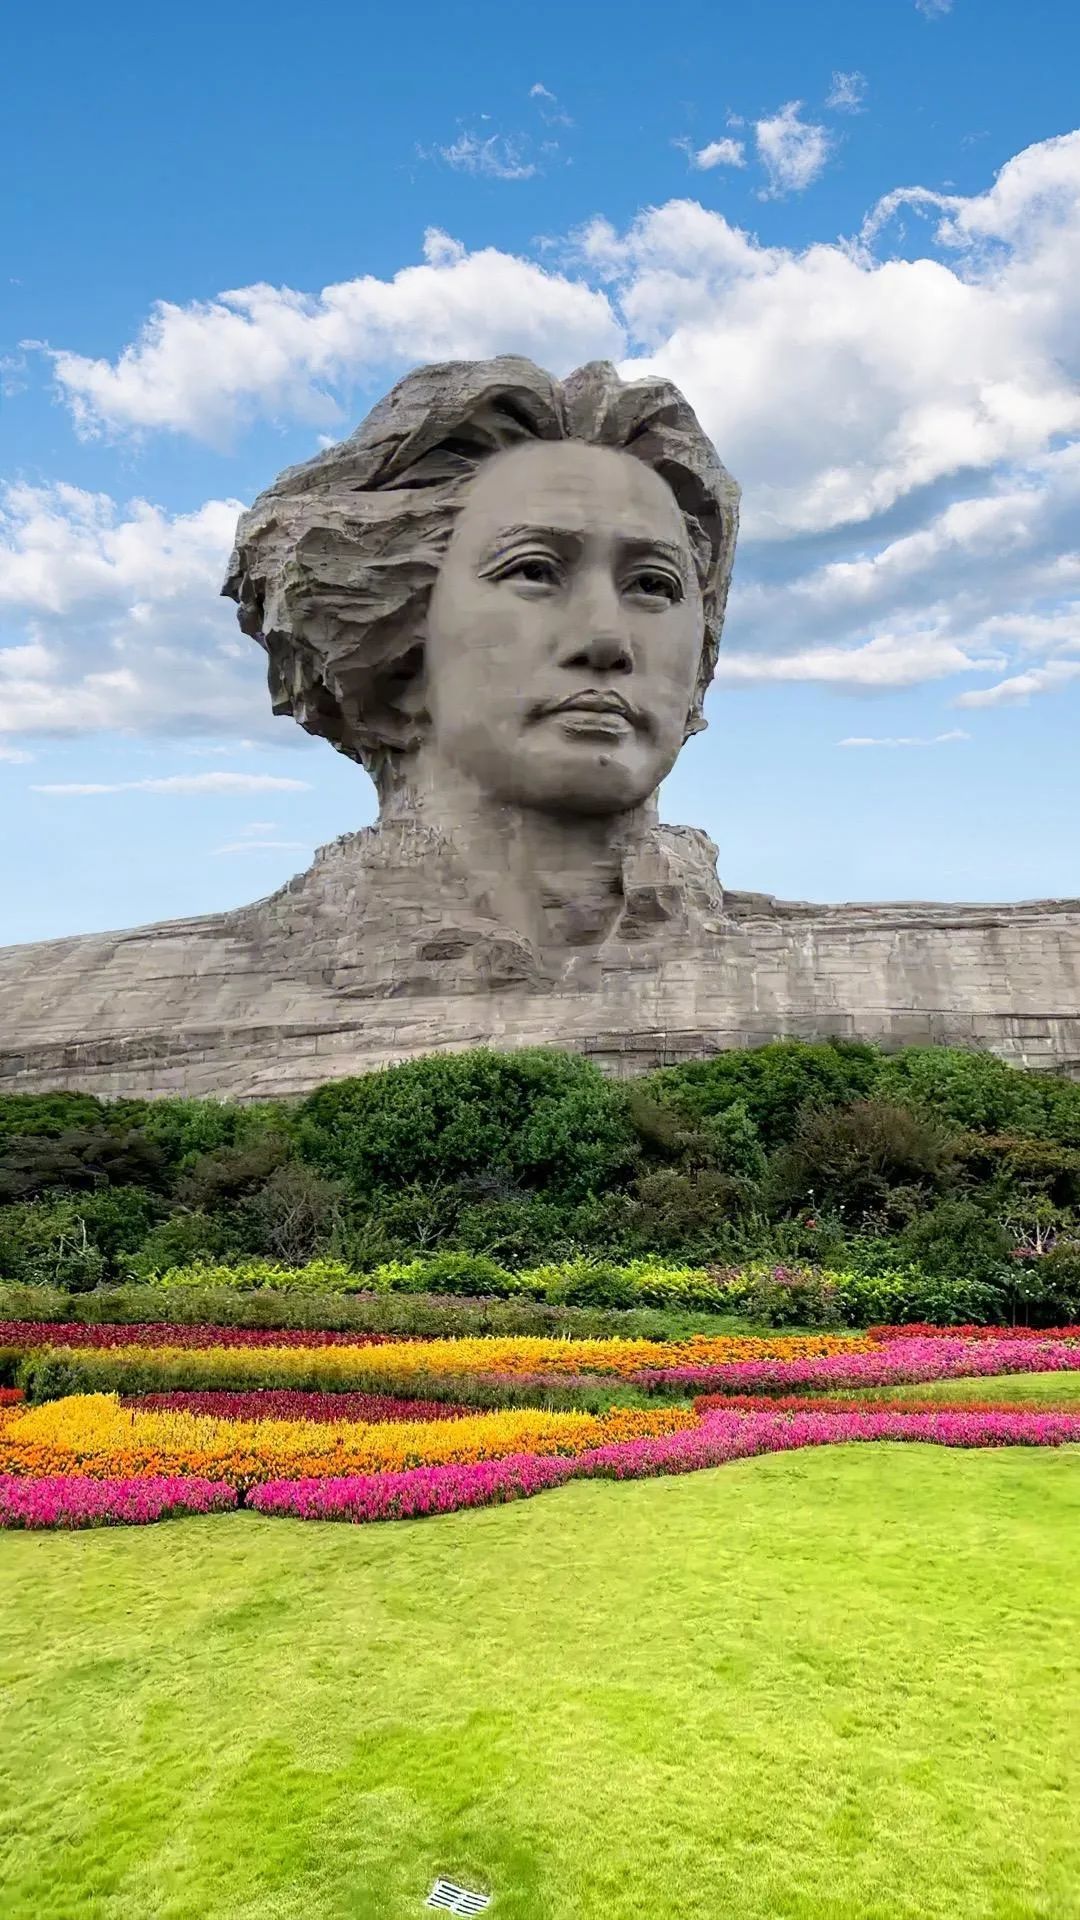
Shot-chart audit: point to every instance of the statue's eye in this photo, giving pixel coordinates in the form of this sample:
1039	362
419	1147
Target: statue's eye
651	584
533	568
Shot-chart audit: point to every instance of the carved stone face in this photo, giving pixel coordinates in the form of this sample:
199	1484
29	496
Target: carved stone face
564	631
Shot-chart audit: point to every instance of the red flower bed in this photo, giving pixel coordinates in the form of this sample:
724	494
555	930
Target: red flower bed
10	1396
55	1333
285	1403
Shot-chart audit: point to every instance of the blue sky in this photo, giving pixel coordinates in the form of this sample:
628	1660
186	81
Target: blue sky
850	232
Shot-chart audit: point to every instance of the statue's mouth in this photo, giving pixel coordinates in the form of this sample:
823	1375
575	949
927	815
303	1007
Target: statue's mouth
600	706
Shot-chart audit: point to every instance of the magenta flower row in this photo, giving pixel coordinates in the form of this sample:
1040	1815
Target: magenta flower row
722	1436
902	1362
65	1500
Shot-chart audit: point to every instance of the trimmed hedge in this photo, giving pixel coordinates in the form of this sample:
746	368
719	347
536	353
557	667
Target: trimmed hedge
776	1296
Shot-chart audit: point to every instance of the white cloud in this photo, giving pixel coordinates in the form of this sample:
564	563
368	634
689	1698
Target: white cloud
835	379
906	740
1020	687
183	783
989	583
847	92
124	626
839	384
539	92
209	367
265	846
719	153
258	827
933	9
793	152
14	756
886	662
496	156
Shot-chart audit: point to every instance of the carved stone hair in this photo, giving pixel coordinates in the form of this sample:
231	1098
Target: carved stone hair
334	564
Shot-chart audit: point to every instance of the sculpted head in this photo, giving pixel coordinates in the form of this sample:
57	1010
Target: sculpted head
517	578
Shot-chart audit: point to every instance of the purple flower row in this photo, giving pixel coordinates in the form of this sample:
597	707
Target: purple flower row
722	1436
66	1500
904	1361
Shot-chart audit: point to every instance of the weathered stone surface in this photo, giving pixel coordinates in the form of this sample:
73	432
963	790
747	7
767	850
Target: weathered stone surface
504	595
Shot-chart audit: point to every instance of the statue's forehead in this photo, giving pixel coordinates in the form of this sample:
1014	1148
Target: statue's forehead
567	484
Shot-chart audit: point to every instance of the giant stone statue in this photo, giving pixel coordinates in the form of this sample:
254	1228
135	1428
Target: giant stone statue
504	596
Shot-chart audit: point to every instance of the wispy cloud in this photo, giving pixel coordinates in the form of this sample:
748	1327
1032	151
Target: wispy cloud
847	93
184	783
1021	686
907	740
497	157
719	153
933	9
15	756
264	846
793	152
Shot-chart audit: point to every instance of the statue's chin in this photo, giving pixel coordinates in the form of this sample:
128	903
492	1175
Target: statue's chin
599	785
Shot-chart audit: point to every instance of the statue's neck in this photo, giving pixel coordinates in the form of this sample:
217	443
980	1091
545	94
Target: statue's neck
556	878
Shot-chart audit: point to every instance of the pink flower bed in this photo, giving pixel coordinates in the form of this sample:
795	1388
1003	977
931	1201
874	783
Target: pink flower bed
902	1362
721	1437
286	1403
66	1500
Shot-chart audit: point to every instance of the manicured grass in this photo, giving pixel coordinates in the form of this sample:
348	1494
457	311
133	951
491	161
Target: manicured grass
1042	1389
838	1685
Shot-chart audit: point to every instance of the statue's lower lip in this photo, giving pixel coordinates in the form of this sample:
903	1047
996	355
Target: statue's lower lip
593	719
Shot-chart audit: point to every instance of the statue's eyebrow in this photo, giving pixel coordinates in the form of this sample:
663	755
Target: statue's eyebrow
640	546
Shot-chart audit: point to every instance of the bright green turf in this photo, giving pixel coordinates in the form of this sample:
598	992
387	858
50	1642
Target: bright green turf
1061	1389
840	1683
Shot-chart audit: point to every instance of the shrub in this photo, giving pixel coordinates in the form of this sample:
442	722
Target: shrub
186	1240
957	1240
76	1161
229	1173
186	1129
873	1161
774	1084
542	1118
1046	1291
466	1273
296	1215
684	1212
47	1241
977	1092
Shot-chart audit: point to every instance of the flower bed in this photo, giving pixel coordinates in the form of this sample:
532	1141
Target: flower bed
905	1362
923	1330
22	1335
93	1434
69	1500
270	1403
367	1455
721	1437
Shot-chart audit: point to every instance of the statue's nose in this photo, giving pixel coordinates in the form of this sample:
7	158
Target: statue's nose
606	652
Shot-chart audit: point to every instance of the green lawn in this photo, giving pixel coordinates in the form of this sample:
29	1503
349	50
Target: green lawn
1060	1389
841	1683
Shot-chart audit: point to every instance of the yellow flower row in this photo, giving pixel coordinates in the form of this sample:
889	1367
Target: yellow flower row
93	1434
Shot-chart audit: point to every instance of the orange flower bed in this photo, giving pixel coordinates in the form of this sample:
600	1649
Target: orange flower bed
93	1435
